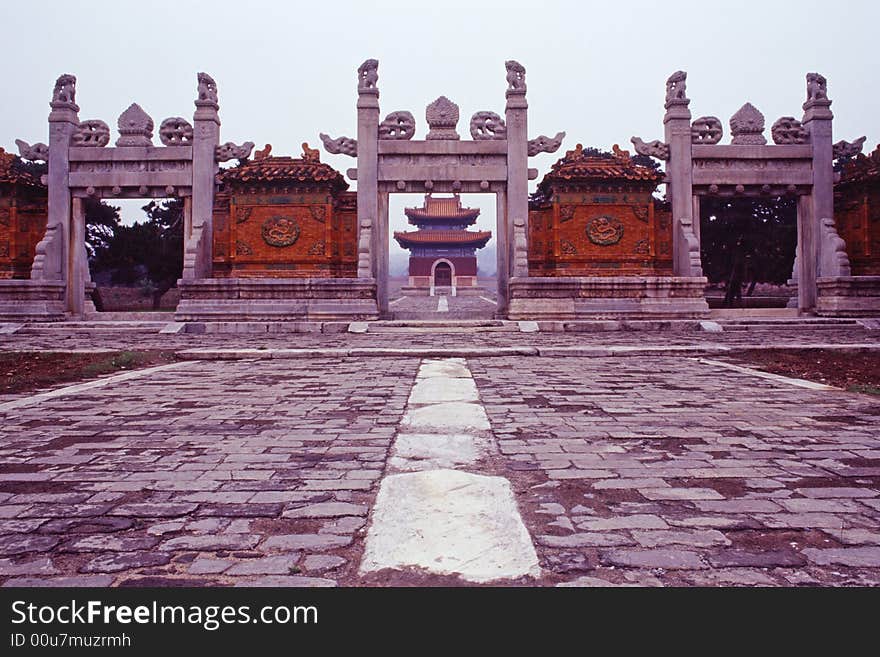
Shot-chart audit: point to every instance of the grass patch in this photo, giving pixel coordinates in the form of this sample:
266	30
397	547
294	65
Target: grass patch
29	371
865	389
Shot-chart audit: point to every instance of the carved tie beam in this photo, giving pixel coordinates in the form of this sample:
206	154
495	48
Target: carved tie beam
544	144
340	145
39	152
230	151
848	148
655	148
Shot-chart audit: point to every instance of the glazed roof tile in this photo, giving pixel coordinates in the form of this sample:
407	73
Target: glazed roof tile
435	237
12	174
442	208
862	168
589	165
285	170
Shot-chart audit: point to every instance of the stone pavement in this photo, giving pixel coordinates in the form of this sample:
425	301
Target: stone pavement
656	470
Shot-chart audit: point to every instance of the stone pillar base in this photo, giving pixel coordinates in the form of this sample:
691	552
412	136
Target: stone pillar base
607	297
848	296
32	301
276	299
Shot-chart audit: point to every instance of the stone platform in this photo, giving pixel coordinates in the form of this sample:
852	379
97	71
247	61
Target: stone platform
32	301
276	299
850	296
607	297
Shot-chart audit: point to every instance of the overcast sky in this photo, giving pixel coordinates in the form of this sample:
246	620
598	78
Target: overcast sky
286	70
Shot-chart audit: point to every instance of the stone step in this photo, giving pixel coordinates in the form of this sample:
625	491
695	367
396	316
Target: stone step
93	327
415	315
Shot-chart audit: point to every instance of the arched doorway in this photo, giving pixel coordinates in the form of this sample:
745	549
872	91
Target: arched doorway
442	274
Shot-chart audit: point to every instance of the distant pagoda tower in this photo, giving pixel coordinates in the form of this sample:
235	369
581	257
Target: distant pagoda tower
442	250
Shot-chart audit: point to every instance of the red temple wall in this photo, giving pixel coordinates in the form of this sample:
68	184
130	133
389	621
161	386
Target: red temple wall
421	266
599	234
857	215
23	217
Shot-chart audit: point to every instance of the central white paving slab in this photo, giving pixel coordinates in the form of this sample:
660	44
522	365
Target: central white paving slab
442	305
431	515
431	451
449	522
439	389
451	417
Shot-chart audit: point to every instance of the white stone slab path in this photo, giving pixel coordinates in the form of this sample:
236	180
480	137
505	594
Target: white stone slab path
432	514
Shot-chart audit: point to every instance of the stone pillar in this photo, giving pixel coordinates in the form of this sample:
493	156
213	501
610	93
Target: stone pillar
502	248
818	121
517	201
806	260
79	265
381	254
679	172
368	174
206	138
53	252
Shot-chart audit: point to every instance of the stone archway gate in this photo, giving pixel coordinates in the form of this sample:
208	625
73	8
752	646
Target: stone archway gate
388	160
82	165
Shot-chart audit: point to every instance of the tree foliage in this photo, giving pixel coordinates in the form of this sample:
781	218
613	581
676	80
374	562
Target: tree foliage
748	240
148	253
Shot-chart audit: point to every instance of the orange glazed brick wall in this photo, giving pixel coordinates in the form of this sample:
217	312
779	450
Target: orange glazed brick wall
857	212
594	214
285	217
23	215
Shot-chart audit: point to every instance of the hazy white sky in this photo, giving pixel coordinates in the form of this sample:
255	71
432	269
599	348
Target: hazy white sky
286	70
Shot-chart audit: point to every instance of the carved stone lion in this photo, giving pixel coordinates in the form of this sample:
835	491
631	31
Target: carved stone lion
516	76
65	89
207	88
487	125
817	87
368	75
676	88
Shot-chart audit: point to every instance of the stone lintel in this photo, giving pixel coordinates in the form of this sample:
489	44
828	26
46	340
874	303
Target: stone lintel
434	173
753	176
132	179
442	147
740	152
129	153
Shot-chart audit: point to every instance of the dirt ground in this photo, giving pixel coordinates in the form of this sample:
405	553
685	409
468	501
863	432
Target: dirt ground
27	371
851	370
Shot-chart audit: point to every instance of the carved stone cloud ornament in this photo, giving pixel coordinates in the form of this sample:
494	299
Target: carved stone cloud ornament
398	125
788	130
747	126
706	130
93	132
442	117
176	131
487	125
